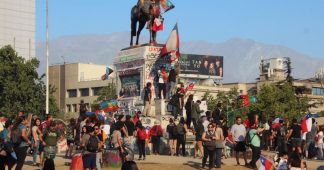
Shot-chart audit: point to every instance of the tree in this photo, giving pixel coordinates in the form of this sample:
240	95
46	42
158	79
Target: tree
280	101
106	93
21	87
288	71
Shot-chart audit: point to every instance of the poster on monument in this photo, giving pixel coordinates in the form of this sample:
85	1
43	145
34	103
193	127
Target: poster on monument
201	66
130	86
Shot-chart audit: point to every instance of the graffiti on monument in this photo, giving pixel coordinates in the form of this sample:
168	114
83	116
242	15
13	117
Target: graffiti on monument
130	86
130	64
152	53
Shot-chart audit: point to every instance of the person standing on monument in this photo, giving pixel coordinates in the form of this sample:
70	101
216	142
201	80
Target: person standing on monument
163	80
147	99
83	108
172	81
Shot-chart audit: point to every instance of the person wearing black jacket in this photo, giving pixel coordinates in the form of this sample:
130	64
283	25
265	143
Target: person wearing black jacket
172	80
217	112
188	107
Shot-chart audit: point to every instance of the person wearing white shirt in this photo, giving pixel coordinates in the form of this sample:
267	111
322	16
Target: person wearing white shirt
238	130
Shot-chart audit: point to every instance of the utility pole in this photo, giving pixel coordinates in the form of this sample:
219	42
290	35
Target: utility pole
47	54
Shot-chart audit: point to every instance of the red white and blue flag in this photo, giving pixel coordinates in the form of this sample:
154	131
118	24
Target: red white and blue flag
306	123
172	45
266	164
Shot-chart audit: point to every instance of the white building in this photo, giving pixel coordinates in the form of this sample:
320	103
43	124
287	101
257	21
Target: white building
17	26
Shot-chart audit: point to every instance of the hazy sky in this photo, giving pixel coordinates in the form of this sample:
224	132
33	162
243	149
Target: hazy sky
297	24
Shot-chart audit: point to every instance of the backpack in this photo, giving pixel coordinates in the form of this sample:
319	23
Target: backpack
16	136
92	145
282	131
141	133
174	130
180	129
188	106
69	133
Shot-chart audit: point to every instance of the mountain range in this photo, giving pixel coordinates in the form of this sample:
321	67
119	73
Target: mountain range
241	56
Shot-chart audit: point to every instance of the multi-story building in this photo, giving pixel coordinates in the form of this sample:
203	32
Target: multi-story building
76	82
17	26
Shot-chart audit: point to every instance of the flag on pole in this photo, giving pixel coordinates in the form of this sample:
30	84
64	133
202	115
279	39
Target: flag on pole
306	124
108	72
172	45
266	164
166	5
158	24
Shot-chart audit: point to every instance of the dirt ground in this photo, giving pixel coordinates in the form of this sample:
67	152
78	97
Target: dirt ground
154	162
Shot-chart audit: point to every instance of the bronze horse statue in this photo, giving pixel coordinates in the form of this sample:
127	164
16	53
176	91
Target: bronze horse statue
144	11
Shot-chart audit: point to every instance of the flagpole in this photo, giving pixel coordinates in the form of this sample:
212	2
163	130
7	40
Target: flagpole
47	55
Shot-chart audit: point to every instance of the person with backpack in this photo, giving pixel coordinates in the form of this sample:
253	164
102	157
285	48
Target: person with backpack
255	143
90	146
195	112
20	140
147	99
209	139
51	138
176	103
181	139
282	137
172	133
156	133
7	155
70	137
141	139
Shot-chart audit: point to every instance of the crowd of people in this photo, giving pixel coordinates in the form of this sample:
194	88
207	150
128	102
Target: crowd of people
214	140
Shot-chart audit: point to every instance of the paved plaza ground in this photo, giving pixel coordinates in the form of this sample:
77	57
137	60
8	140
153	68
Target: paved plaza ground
167	163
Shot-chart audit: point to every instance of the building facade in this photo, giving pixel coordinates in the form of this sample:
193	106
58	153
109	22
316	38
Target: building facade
76	82
17	26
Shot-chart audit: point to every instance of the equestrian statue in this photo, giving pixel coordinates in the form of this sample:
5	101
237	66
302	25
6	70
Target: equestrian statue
148	11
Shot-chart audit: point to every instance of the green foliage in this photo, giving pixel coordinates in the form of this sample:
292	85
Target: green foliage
280	101
106	93
228	99
21	87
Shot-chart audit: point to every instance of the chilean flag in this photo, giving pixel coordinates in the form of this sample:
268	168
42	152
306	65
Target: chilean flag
172	45
265	163
306	123
275	123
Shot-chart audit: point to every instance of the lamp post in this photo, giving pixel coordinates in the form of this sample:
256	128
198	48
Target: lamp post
47	54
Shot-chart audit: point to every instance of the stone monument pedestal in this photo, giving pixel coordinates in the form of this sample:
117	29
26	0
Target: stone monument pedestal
159	107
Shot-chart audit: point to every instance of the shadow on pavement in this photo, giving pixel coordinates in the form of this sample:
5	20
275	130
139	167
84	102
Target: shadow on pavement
192	164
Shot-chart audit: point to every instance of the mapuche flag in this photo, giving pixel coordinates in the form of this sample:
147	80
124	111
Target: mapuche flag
172	45
166	5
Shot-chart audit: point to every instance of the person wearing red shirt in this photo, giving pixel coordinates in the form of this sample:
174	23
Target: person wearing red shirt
156	132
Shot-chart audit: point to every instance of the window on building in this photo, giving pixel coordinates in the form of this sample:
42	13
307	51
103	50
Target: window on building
72	93
96	91
84	92
68	108
75	108
318	91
